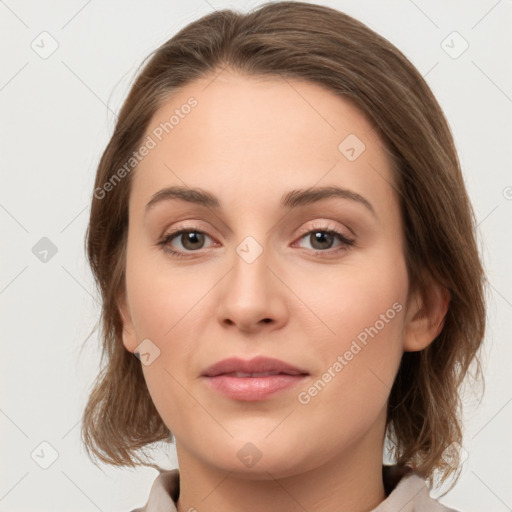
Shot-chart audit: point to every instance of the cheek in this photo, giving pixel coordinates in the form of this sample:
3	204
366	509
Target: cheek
160	297
348	299
358	364
361	309
168	307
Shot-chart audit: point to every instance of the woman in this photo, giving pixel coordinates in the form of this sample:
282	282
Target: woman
282	237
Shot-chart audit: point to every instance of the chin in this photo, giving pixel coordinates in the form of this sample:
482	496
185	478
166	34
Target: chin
247	462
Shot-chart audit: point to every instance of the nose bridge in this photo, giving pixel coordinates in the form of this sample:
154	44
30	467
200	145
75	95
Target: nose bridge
250	272
251	294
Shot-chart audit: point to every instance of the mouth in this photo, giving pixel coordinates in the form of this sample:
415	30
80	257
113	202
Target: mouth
255	374
256	367
253	380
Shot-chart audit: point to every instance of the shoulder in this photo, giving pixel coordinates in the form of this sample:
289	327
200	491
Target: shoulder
164	493
408	492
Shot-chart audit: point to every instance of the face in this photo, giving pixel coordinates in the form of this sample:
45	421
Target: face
316	281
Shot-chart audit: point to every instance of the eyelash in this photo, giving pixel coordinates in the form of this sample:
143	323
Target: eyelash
346	242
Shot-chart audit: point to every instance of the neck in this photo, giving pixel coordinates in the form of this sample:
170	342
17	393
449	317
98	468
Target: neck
351	481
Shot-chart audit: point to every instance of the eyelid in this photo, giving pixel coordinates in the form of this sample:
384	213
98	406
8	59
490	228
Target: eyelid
317	224
326	225
195	227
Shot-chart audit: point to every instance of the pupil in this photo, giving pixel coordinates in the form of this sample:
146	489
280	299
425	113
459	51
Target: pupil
322	238
191	238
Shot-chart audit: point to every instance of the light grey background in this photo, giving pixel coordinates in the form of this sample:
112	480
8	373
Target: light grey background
57	114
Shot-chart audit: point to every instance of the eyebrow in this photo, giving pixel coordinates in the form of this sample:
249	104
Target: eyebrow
292	199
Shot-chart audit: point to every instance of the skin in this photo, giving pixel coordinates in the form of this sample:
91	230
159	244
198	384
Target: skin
249	141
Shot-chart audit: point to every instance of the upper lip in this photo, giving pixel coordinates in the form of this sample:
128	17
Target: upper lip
259	364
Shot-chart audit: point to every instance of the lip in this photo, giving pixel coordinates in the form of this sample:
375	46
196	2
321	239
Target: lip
277	376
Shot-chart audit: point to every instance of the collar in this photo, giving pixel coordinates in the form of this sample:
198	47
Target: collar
405	491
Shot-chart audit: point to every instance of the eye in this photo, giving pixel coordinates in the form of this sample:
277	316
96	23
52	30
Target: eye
186	241
190	239
322	239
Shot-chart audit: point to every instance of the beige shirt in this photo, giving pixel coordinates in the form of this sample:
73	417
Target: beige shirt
405	491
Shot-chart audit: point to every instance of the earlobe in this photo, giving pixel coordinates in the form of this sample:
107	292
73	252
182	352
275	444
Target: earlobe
426	313
129	335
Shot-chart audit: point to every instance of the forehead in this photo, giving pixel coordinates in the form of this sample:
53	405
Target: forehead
229	130
252	109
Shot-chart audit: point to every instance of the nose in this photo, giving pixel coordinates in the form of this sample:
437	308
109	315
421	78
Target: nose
252	297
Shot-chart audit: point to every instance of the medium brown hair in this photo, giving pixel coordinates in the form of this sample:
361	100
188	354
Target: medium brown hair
329	48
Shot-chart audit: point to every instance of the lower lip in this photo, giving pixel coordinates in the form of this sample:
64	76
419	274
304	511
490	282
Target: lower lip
253	388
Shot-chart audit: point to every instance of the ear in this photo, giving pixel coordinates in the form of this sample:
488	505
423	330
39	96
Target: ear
129	335
425	315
